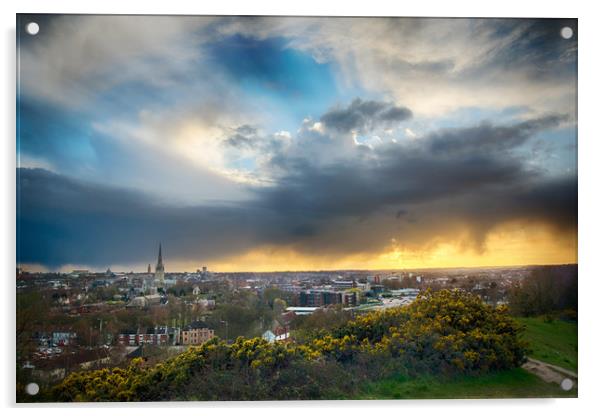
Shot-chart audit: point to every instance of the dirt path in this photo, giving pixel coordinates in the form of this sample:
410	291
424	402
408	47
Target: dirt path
550	373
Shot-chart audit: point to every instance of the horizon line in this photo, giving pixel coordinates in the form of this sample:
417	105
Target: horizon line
328	270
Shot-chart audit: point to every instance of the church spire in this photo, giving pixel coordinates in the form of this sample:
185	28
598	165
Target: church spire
160	259
160	269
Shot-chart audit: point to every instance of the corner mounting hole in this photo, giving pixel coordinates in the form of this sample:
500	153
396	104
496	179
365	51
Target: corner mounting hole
32	28
32	389
566	384
566	32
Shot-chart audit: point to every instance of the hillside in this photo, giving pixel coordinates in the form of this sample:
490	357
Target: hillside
553	341
442	335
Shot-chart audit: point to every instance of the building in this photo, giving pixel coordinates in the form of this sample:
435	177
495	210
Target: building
344	284
310	298
196	333
350	299
331	298
407	292
377	289
160	270
62	338
146	301
301	310
151	336
270	337
315	298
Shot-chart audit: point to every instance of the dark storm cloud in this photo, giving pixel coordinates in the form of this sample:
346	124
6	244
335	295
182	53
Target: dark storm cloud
472	176
410	192
400	213
554	200
62	220
449	163
551	202
364	116
486	137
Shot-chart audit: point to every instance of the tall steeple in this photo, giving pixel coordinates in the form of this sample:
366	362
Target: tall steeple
160	259
160	270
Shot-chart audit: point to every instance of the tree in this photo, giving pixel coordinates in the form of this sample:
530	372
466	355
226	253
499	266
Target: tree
279	306
545	290
32	309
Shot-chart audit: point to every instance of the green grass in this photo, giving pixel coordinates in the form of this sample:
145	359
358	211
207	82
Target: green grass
516	383
554	342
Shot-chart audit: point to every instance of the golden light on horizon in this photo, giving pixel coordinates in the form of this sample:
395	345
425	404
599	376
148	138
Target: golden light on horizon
512	244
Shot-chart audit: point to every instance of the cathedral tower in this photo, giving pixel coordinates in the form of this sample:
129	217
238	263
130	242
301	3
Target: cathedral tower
160	270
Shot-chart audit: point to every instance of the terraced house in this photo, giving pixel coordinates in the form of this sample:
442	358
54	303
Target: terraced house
196	333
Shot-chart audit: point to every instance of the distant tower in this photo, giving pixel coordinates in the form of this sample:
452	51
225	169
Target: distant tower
149	269
160	270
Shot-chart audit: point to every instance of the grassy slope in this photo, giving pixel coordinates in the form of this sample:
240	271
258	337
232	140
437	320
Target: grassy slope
553	342
516	383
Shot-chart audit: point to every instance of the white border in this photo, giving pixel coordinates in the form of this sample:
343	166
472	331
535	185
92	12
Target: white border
590	179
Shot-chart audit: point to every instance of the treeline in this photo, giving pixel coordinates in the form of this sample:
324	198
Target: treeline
444	333
549	290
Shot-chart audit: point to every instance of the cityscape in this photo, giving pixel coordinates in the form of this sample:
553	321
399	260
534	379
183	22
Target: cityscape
295	208
168	311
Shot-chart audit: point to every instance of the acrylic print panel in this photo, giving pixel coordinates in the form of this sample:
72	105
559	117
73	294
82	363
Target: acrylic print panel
274	208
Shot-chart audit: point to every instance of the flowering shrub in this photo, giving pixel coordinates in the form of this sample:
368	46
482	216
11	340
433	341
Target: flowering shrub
452	331
445	332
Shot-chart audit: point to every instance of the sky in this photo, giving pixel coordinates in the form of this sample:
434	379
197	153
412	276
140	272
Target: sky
295	143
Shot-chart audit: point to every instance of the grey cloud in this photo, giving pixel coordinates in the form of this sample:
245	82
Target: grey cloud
400	213
246	130
75	56
243	136
444	164
364	116
238	140
247	136
490	138
534	45
395	114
